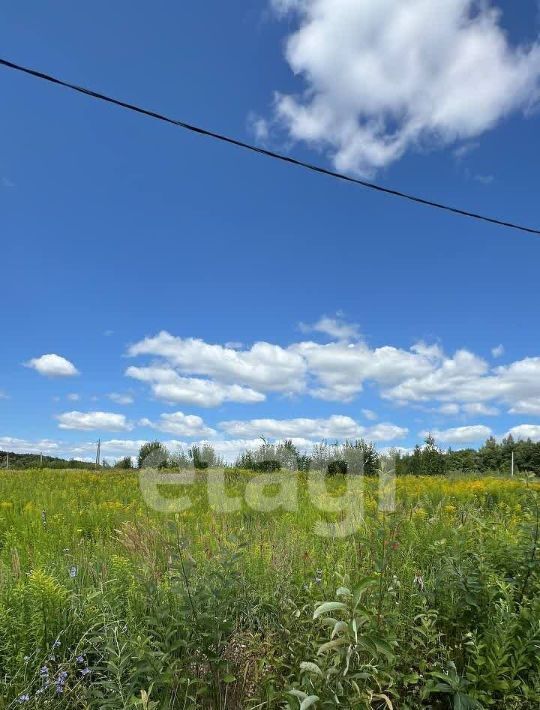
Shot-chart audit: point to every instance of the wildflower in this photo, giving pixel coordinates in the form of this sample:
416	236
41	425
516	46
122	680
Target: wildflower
44	517
57	643
80	659
26	659
61	681
73	571
23	698
85	671
44	672
318	576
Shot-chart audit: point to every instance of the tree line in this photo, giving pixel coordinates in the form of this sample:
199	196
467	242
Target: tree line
357	456
492	457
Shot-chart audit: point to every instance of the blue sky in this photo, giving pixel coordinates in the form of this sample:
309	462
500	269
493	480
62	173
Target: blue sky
116	229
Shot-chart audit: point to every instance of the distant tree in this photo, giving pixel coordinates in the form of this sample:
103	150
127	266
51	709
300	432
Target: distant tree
338	466
180	459
204	456
432	458
153	454
464	460
361	457
303	462
490	455
124	463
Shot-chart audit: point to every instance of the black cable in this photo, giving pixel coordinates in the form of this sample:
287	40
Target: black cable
264	151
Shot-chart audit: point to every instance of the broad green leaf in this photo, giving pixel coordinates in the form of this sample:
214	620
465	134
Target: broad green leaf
339	628
327	607
310	667
329	645
308	702
298	694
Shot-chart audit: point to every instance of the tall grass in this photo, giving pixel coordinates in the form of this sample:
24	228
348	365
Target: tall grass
105	603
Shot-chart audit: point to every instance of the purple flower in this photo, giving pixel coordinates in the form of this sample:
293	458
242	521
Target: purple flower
80	659
23	698
85	671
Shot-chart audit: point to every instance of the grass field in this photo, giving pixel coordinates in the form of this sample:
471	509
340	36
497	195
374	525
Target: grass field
105	603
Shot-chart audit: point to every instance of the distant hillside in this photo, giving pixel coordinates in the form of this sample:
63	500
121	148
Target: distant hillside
20	461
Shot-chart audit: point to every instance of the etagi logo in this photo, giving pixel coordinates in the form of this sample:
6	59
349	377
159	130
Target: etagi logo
275	491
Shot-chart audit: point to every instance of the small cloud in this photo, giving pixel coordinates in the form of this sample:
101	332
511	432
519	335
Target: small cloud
52	365
188	425
108	333
449	409
88	421
474	408
120	398
74	397
369	414
6	182
460	435
334	327
259	127
3	395
497	351
484	179
462	150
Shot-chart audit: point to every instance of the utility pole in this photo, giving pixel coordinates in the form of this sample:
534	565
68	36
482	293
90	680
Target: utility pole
512	468
98	453
7	460
41	459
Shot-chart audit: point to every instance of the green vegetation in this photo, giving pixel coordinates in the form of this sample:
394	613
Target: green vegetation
105	603
492	457
23	461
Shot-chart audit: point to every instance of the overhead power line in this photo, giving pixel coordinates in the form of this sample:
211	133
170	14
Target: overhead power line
264	151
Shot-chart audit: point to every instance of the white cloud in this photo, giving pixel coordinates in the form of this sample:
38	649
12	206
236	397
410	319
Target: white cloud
334	327
74	397
383	76
3	395
88	421
53	365
450	409
497	351
526	431
464	149
335	427
458	383
460	434
22	446
169	386
188	425
264	367
527	406
477	408
369	414
340	369
120	398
